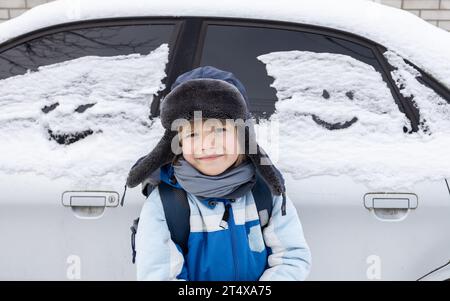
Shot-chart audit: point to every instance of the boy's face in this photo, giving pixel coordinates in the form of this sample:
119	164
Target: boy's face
210	146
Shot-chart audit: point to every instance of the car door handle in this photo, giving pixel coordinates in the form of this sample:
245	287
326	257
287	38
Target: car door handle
90	199
390	201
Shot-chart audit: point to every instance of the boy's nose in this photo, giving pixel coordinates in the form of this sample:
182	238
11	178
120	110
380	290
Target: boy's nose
209	140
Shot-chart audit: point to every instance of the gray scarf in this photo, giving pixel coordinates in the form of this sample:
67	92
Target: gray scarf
232	183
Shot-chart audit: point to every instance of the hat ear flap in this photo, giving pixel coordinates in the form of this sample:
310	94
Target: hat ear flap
268	171
159	156
271	175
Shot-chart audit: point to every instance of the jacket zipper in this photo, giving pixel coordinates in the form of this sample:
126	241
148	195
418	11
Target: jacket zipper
231	228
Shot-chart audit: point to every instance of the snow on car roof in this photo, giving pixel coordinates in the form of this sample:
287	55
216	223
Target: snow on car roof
409	36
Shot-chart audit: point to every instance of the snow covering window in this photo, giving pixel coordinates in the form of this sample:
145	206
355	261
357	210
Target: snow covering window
71	44
370	145
237	48
85	119
334	91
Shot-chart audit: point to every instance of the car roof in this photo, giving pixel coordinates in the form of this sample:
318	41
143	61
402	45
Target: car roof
409	36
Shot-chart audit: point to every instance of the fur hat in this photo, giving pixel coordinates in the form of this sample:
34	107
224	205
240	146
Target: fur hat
217	94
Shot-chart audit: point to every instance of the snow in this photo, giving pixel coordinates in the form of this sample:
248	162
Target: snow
121	89
374	150
409	36
371	148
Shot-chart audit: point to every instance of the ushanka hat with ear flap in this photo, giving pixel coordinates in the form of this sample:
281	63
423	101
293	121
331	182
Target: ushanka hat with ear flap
217	94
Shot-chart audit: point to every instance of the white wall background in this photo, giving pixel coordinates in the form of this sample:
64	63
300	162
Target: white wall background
437	12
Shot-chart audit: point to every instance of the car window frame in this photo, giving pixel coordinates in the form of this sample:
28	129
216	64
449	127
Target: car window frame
430	82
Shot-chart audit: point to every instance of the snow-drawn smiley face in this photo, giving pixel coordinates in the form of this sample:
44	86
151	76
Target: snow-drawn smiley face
335	125
333	91
91	95
83	120
74	134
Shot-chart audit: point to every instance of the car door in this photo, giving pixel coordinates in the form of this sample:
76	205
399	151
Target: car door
346	139
74	116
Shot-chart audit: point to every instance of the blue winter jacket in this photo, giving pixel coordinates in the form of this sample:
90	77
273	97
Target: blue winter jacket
241	251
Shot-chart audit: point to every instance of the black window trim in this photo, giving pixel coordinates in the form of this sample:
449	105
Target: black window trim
429	81
405	106
424	79
86	24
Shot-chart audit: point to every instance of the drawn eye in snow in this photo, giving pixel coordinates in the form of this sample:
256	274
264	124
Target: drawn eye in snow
83	108
49	108
325	94
349	94
335	91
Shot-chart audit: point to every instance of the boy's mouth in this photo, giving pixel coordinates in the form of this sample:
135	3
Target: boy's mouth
209	158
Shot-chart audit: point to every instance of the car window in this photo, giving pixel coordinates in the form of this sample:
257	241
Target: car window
77	103
239	49
330	108
72	44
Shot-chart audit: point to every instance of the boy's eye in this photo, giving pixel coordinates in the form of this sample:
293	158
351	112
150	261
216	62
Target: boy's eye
219	130
191	135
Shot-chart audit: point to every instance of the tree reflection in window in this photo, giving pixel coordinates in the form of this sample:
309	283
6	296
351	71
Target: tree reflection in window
72	44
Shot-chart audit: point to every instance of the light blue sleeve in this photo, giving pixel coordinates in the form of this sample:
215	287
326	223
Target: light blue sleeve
291	257
157	256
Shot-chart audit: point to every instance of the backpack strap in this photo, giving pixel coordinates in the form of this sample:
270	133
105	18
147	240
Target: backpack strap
263	200
177	212
134	228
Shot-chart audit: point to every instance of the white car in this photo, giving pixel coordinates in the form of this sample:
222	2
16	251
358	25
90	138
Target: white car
357	92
